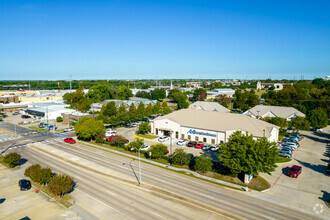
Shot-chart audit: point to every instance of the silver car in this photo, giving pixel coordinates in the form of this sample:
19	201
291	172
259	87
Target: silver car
283	154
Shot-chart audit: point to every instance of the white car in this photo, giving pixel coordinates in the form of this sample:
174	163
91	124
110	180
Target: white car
145	148
68	129
181	143
162	139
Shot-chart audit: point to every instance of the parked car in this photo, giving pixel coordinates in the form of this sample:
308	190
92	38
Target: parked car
24	184
296	135
110	138
199	145
51	127
163	138
191	143
25	116
181	142
41	125
206	147
290	142
214	148
68	129
288	146
5	116
145	148
284	154
69	140
294	171
15	113
285	150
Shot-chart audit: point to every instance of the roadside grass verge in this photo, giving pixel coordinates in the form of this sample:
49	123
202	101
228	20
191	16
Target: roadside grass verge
283	160
38	129
148	136
258	183
64	200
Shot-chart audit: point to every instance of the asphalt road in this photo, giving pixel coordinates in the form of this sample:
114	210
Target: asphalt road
165	194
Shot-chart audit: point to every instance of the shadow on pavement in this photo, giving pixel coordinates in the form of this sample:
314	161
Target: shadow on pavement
2	200
285	170
22	161
316	168
318	139
325	197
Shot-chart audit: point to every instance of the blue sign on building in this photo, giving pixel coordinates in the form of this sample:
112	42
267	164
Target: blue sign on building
193	131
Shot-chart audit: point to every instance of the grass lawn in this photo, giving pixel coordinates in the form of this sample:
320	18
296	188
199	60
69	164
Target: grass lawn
148	136
257	183
64	200
260	92
283	160
38	129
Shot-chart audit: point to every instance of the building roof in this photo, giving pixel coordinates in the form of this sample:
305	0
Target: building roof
217	121
208	106
278	111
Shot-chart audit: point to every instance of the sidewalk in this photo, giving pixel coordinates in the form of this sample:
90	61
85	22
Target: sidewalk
231	185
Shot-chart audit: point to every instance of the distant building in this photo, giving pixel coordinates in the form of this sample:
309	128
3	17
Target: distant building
263	111
194	84
127	103
69	117
208	106
47	110
217	92
277	86
6	99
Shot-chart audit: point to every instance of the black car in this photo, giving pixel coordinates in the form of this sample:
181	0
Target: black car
24	184
15	113
192	144
25	116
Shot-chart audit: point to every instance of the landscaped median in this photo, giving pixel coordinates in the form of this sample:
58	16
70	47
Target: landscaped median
150	137
38	129
257	183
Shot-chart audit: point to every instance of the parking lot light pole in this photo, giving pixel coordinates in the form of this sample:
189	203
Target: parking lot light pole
140	168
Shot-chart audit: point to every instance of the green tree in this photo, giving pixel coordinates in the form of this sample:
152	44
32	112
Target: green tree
33	172
158	94
60	184
300	123
281	122
59	119
89	128
245	100
158	150
109	109
132	113
77	100
12	159
136	145
199	94
45	175
149	108
180	98
180	157
156	108
144	128
165	109
141	111
143	94
119	140
124	93
203	163
101	92
244	154
318	118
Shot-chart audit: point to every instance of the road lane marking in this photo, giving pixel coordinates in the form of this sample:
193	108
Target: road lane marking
207	196
104	204
157	214
111	193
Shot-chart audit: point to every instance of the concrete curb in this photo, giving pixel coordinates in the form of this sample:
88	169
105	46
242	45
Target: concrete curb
238	187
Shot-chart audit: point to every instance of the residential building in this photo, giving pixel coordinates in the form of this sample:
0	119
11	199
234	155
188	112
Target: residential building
263	111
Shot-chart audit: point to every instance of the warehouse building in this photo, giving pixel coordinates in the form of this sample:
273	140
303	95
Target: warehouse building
47	110
210	127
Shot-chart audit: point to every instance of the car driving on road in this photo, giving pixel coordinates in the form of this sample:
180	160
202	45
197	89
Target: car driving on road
69	140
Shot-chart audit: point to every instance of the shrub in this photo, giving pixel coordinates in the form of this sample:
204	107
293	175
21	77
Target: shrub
59	119
157	151
100	138
180	157
33	172
203	164
60	184
12	159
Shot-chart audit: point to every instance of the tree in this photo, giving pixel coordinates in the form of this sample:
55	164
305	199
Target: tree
156	108
158	94
180	98
119	140
300	123
33	172
136	145
60	184
203	163
59	119
165	109
199	94
109	109
245	100
277	121
158	150
244	154
141	111
77	100
318	118
124	93
101	92
100	138
12	159
45	175
89	128
143	94
148	110
144	128
224	100
180	157
132	113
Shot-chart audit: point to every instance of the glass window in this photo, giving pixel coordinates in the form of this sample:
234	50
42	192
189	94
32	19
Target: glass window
213	141
204	140
189	137
196	138
176	134
182	136
156	131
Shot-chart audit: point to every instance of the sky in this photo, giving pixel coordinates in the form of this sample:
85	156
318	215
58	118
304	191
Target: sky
164	39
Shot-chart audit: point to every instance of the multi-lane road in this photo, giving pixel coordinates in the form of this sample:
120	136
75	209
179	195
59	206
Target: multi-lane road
164	194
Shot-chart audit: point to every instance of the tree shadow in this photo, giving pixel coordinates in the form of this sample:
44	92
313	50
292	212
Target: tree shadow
317	139
325	197
317	168
25	218
22	161
2	200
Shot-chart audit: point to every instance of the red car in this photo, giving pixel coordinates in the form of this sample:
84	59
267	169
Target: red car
294	171
199	145
110	138
70	140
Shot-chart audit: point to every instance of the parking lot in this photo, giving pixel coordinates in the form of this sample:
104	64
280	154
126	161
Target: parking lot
309	191
16	204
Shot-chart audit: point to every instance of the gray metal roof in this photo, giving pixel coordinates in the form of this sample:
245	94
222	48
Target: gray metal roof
208	106
278	111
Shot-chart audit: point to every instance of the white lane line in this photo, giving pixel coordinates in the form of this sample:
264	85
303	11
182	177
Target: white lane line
105	204
157	214
111	193
205	195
